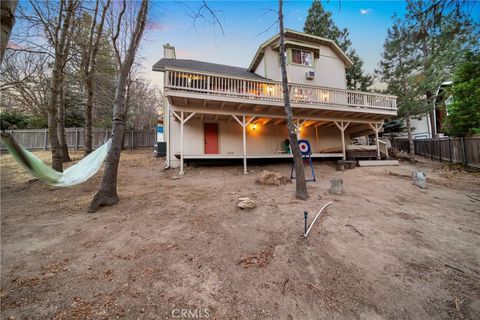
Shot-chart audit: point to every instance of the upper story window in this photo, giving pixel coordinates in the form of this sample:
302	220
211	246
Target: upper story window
302	57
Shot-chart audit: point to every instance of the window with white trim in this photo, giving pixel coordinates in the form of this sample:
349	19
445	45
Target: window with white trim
302	57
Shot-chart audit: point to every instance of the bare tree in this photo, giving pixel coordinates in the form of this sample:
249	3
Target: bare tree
301	185
107	195
57	30
88	65
24	82
144	104
7	18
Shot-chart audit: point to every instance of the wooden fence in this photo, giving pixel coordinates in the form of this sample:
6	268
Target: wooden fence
454	150
37	139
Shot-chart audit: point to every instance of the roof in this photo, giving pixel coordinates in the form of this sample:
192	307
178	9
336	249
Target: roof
205	67
292	34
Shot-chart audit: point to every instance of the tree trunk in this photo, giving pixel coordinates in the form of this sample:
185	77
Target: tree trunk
90	60
88	116
301	185
61	124
433	125
61	45
57	159
7	19
107	195
411	147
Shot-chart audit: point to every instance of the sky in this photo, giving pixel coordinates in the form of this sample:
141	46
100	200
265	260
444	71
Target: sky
246	25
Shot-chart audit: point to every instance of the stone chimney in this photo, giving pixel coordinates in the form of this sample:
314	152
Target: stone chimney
169	51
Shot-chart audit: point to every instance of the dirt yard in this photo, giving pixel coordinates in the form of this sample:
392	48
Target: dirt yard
177	248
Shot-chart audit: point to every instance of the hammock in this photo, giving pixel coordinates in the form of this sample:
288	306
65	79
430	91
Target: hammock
76	174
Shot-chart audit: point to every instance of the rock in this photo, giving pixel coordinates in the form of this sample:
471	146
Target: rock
272	178
419	179
336	186
246	203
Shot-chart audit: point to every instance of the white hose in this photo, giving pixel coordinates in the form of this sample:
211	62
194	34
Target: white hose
318	214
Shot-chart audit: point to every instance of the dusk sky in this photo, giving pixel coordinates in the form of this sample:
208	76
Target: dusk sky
244	21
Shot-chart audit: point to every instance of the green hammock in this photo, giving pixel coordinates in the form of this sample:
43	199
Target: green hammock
76	174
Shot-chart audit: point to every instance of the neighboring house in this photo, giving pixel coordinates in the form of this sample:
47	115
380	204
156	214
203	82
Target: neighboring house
217	111
422	125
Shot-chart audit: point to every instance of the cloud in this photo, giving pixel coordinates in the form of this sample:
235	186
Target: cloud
365	11
157	26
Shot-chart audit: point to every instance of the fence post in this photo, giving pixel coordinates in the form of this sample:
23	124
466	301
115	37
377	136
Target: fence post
464	151
77	135
439	149
431	149
45	144
450	149
132	140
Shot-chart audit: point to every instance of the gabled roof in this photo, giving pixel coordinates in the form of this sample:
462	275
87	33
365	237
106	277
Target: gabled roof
205	67
308	38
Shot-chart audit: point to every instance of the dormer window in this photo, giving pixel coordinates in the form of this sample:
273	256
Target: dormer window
303	57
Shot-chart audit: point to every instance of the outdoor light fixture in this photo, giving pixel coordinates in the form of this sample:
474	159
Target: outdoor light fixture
254	126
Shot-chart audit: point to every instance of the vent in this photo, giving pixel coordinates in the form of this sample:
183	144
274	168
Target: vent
310	75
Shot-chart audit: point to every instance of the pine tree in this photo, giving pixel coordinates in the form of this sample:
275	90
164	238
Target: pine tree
319	23
464	113
397	69
441	34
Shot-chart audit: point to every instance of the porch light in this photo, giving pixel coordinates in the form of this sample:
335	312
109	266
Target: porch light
254	126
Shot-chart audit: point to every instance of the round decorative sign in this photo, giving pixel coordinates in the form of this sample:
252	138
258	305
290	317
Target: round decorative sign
304	146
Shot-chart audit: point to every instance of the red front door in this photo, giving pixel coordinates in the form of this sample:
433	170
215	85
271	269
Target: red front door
211	138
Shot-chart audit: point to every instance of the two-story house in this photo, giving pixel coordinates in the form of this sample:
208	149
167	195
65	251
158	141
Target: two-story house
215	111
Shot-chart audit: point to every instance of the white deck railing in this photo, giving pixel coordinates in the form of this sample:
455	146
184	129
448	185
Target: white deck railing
272	91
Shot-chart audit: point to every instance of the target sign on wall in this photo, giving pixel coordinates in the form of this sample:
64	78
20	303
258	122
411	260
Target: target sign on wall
304	146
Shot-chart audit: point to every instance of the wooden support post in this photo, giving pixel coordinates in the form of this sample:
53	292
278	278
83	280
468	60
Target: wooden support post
244	145
181	144
182	120
244	125
376	127
342	126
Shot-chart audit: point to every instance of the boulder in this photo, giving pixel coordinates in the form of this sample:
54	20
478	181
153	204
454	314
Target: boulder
272	178
246	203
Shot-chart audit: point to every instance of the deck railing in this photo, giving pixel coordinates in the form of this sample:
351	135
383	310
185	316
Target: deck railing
272	91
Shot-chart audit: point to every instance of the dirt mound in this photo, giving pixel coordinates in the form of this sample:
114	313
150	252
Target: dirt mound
272	178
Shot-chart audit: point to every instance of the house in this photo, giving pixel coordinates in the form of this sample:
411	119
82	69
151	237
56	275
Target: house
215	111
422	124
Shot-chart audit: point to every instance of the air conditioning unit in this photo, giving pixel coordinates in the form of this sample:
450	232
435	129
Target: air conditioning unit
310	75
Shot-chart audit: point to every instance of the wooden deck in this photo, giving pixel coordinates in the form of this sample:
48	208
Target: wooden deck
253	156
